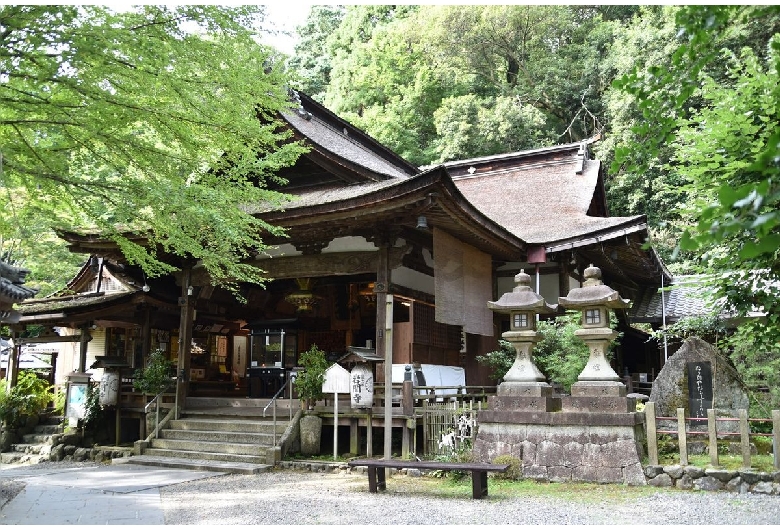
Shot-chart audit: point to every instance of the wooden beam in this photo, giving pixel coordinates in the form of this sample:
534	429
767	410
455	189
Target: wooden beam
49	340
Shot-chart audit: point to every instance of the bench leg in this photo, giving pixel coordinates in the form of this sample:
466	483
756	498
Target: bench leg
376	479
381	483
479	484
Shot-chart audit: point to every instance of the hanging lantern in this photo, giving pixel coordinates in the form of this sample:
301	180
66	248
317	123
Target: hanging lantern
303	299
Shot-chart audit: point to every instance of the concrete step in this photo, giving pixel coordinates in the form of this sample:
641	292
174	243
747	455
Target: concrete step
209	447
218	436
194	464
223	424
202	455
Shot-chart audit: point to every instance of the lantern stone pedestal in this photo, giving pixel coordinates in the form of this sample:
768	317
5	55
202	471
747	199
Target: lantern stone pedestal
593	435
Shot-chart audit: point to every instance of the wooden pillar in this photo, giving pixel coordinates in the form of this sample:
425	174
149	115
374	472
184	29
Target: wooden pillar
185	340
563	275
12	370
384	344
354	435
146	334
83	344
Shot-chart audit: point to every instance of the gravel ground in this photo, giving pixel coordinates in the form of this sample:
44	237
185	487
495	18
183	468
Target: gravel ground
304	498
296	497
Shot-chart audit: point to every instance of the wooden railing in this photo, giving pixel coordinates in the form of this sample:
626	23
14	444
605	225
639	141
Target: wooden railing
431	394
712	432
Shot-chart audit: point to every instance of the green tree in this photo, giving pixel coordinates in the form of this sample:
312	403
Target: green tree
311	64
527	75
716	105
159	121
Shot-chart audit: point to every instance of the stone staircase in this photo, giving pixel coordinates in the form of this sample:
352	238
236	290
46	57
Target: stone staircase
221	434
36	446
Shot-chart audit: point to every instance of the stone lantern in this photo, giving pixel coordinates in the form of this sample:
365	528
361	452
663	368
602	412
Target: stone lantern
595	300
592	435
523	379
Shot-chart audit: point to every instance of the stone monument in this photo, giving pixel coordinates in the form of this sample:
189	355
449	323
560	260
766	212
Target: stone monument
596	435
718	386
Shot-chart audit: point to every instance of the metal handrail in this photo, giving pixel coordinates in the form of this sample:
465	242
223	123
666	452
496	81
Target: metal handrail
273	401
156	400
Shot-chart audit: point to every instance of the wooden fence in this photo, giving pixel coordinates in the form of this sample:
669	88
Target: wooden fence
449	426
712	432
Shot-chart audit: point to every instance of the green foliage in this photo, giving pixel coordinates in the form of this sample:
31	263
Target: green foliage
499	361
59	402
93	410
758	364
561	355
708	327
309	382
462	453
156	377
515	471
436	83
31	395
157	121
709	121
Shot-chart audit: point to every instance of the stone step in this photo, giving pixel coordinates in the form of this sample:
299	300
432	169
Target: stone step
194	464
201	455
223	424
48	429
31	449
237	403
14	457
218	436
209	447
37	438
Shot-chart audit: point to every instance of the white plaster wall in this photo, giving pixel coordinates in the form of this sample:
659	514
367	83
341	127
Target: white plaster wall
349	244
412	279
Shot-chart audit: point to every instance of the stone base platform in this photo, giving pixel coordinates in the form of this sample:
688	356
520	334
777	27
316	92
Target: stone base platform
564	446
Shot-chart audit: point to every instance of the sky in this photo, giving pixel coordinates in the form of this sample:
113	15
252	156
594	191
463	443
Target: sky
285	16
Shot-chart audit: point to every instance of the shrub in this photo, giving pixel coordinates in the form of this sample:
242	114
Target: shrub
309	381
499	361
515	471
30	396
156	377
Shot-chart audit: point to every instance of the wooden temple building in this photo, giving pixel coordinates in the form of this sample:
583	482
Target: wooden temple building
371	240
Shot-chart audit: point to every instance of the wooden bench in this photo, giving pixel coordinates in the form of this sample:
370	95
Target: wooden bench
479	471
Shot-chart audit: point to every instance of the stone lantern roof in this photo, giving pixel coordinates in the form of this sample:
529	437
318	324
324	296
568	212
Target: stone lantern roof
522	298
593	292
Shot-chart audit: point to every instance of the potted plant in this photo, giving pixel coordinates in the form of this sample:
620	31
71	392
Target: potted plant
309	385
309	381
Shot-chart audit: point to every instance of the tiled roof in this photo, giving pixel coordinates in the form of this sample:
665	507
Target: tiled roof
327	195
685	298
540	203
339	142
47	305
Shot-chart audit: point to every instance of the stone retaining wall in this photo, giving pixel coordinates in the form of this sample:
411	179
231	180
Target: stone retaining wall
696	478
63	452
